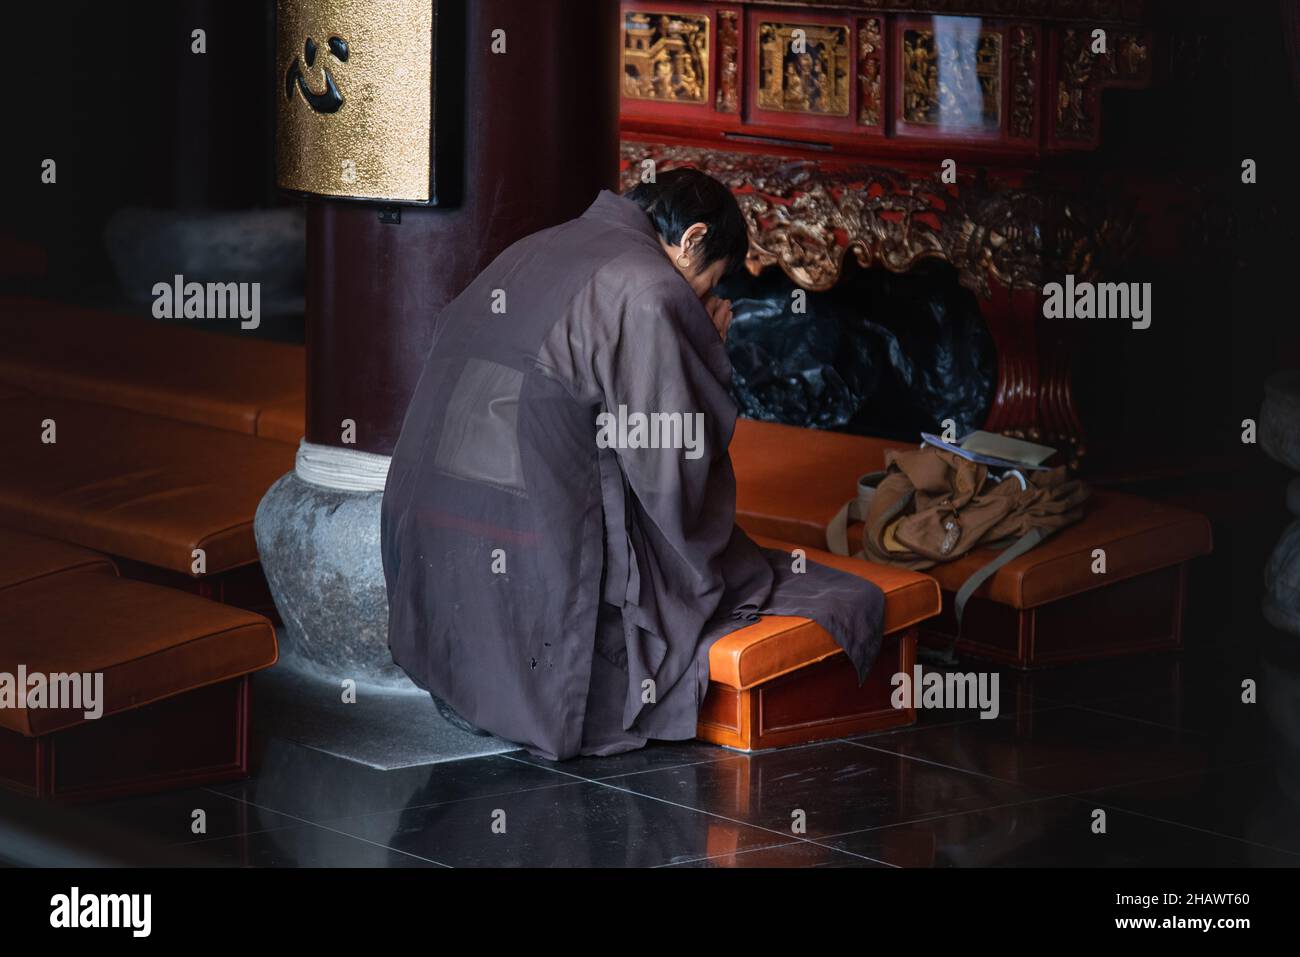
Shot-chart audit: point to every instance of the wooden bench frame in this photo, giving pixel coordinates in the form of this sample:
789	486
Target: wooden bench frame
1146	609
196	738
813	703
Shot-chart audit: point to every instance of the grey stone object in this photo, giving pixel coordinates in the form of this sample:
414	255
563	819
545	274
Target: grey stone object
1279	418
1279	436
320	552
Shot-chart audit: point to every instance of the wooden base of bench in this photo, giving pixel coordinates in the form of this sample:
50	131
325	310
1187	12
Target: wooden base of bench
1139	614
191	739
811	704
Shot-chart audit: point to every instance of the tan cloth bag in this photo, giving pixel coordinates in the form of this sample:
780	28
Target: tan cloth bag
931	506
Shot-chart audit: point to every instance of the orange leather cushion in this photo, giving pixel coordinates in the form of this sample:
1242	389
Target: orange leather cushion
779	644
1138	536
133	485
790	482
154	366
284	422
148	642
25	558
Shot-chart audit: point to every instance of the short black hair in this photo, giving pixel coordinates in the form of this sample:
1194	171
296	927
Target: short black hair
681	197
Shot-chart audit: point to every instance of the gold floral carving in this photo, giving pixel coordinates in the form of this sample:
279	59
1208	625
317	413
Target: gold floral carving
871	52
807	218
1075	117
728	63
1024	72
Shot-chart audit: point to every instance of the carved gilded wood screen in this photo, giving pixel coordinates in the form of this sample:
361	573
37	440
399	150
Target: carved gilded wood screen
666	56
802	67
840	75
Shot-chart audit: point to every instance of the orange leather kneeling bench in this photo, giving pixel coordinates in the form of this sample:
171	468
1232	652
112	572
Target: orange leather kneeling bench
159	367
139	487
1045	607
784	680
174	670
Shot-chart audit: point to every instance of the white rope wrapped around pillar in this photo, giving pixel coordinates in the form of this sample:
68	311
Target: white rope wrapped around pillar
348	470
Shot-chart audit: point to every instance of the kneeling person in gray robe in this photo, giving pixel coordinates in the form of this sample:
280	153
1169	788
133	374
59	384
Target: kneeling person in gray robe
558	526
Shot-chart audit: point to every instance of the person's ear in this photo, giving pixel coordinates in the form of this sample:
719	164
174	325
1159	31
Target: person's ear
692	237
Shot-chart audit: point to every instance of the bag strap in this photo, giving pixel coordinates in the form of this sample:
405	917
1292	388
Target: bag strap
1009	554
855	510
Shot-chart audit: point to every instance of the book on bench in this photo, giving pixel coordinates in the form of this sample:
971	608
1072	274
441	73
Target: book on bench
995	451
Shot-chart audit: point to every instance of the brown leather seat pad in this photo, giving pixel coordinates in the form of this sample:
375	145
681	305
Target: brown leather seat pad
284	422
154	366
790	482
137	486
1137	535
779	644
148	641
25	558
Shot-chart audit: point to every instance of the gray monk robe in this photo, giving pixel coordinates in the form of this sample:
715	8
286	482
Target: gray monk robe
556	574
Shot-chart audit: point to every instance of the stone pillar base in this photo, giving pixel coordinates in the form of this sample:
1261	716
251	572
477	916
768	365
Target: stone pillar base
320	552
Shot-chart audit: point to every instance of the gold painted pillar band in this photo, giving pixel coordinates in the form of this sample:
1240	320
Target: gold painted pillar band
355	98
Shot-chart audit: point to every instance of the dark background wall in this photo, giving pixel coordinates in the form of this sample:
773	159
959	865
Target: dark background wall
1221	256
113	93
133	118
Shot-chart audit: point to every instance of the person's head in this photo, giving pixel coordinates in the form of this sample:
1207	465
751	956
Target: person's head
699	223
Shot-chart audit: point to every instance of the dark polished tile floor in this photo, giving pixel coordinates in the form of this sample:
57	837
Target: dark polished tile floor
1151	761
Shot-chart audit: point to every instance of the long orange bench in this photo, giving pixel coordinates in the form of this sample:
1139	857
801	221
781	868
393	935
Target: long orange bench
283	421
159	367
174	667
1045	607
139	487
784	680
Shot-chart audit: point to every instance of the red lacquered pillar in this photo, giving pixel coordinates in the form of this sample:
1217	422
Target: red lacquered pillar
540	139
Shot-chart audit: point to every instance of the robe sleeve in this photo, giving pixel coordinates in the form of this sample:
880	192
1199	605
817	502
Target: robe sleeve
664	356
